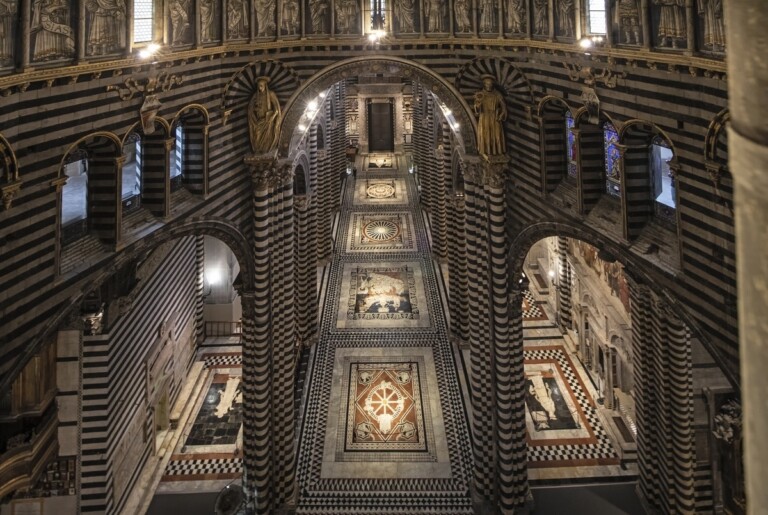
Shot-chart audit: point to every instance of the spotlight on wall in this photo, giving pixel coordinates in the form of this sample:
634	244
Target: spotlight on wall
312	105
551	274
149	50
302	127
586	43
213	275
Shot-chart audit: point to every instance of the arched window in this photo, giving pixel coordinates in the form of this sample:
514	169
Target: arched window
662	179
74	197
612	160
570	142
131	187
177	158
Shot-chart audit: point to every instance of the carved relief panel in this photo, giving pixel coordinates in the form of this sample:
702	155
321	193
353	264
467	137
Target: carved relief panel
463	14
9	10
290	16
669	24
487	16
436	15
516	17
318	17
105	26
181	22
238	19
266	24
710	35
565	18
406	13
541	17
210	21
51	30
628	22
347	17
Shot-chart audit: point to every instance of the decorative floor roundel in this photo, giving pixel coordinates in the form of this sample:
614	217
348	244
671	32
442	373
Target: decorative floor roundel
380	191
381	230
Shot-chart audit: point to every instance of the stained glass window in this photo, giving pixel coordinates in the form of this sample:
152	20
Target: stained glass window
612	160
570	139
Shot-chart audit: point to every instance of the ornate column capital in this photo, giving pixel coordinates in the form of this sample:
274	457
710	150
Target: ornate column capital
302	202
9	192
493	170
473	169
456	201
266	172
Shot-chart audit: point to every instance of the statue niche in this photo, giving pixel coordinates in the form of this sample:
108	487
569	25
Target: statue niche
491	111
264	118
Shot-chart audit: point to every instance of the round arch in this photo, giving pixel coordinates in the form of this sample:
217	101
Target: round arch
136	127
552	103
188	109
108	137
537	231
219	228
340	71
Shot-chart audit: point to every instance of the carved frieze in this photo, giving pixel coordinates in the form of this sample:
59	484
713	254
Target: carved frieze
149	87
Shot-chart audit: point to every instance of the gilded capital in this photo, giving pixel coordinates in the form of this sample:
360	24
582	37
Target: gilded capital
302	202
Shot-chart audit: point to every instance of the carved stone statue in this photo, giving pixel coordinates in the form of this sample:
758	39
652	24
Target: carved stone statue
672	23
488	16
463	21
52	36
540	20
433	9
179	12
238	20
628	15
207	12
8	9
516	16
404	10
714	24
106	26
565	17
318	10
491	111
290	17
265	18
264	118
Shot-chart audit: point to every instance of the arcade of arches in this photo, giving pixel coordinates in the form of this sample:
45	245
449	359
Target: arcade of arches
465	268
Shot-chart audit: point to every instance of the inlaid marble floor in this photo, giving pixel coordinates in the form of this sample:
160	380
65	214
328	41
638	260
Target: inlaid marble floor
383	411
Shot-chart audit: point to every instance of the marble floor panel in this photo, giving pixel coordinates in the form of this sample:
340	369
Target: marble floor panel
380	232
382	295
564	428
380	191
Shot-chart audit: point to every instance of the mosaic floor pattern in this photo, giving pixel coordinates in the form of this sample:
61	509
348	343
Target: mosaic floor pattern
564	428
381	232
383	413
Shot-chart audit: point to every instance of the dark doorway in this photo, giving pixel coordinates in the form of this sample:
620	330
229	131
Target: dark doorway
381	136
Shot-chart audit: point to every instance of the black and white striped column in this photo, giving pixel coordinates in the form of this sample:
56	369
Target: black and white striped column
564	284
457	270
283	336
480	343
199	286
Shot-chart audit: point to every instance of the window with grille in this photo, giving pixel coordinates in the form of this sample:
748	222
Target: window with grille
143	20
596	16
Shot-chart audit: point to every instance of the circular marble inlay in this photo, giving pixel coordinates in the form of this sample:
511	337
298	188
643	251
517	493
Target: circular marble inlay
381	230
381	190
384	403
